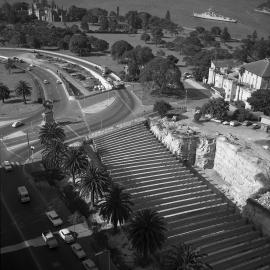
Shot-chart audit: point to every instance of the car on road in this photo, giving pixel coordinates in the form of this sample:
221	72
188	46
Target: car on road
89	265
54	218
49	239
225	123
78	251
66	235
23	194
7	166
45	82
234	123
17	124
247	123
58	82
256	126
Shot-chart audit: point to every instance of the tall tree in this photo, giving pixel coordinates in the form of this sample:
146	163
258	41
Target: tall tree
23	89
50	132
9	65
75	162
157	34
119	48
225	35
168	15
116	206
80	45
260	100
183	257
4	92
146	232
104	23
93	182
216	107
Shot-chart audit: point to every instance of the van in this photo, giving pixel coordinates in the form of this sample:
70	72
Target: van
23	194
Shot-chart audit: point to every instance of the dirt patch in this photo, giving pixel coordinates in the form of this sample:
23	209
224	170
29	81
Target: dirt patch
14	106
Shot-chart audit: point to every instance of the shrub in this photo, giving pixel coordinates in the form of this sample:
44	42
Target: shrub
162	107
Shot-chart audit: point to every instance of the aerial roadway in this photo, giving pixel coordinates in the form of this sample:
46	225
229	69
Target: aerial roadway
23	223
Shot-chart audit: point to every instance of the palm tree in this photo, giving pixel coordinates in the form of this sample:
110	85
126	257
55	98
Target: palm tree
23	89
182	257
4	92
50	132
116	206
9	65
75	162
53	154
146	232
95	182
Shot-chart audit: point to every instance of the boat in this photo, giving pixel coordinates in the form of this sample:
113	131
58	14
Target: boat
263	10
211	15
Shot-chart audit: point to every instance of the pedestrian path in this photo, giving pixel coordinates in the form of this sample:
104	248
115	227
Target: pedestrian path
195	214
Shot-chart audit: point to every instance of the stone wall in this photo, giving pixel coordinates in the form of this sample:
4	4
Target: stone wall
241	169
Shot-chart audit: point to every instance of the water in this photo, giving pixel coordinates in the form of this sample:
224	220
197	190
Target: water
181	12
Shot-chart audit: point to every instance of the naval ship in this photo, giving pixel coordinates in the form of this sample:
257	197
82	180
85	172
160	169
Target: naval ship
211	15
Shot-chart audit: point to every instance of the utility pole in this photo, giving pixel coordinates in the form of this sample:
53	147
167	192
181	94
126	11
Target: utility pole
29	149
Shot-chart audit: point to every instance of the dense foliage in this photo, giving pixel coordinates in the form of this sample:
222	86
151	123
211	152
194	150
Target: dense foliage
216	107
260	101
162	107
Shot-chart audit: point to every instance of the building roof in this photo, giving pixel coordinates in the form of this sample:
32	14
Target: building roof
226	63
260	68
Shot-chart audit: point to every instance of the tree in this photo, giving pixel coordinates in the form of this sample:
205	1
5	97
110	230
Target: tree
51	132
145	17
4	92
146	232
215	30
10	64
225	35
183	257
93	181
23	89
145	37
119	48
53	153
160	53
260	101
79	44
112	24
157	34
172	59
76	13
100	45
104	23
75	162
168	15
162	107
33	42
116	206
84	24
216	107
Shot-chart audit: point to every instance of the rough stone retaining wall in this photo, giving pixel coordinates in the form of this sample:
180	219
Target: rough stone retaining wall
246	173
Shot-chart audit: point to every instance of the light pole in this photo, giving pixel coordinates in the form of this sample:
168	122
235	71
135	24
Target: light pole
186	100
32	152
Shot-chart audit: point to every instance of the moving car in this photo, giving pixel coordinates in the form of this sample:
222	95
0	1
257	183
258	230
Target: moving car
78	251
17	124
23	194
7	166
45	82
66	235
54	218
49	239
89	265
234	123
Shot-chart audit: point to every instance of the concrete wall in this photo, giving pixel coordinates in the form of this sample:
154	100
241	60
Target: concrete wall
259	215
245	173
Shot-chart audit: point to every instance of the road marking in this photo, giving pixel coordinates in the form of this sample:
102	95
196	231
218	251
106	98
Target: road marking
19	231
14	135
10	148
72	130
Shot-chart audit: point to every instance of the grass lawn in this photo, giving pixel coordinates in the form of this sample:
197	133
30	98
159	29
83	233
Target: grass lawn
14	106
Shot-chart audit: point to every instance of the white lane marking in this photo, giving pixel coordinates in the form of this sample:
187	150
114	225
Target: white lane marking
73	131
10	148
14	135
95	108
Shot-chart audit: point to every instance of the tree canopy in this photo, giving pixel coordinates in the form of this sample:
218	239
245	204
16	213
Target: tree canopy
216	107
260	101
80	45
4	92
119	48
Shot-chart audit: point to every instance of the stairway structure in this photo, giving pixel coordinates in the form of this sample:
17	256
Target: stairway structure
195	214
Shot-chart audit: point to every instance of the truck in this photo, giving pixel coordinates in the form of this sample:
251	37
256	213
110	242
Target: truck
49	239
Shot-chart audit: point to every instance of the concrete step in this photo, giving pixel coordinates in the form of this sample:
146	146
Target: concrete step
213	238
259	263
235	249
229	241
157	202
191	207
152	163
239	258
180	222
186	193
154	187
204	231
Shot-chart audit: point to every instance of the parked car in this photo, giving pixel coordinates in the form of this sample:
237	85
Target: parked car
66	235
45	82
216	120
58	81
78	251
89	265
54	218
23	194
225	123
247	123
256	126
7	166
17	124
234	123
49	239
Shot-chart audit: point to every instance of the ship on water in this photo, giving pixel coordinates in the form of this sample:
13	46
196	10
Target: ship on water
211	15
263	10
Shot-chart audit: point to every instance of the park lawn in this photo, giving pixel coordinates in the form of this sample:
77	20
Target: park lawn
14	106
